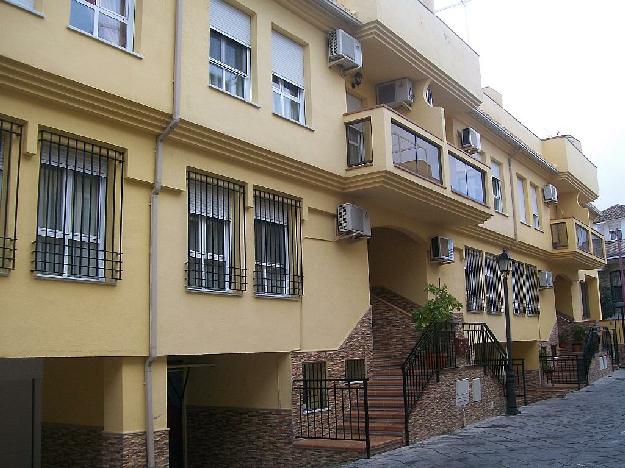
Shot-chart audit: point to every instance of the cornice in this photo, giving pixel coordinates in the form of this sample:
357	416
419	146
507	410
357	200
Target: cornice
577	185
21	78
375	30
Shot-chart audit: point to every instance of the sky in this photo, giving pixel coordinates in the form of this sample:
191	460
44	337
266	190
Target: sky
560	65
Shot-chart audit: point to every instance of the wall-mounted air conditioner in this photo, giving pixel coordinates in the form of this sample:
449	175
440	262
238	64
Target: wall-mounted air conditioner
442	249
545	279
344	51
550	194
352	221
396	93
470	140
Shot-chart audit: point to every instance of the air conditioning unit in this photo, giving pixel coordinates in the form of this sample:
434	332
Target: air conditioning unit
396	93
352	221
470	140
344	51
442	249
545	279
550	194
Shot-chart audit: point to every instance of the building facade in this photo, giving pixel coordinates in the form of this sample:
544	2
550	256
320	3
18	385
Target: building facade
172	277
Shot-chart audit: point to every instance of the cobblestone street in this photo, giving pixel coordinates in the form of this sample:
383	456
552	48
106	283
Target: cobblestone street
585	429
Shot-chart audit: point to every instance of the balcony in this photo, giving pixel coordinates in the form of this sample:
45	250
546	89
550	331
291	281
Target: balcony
576	173
392	161
576	244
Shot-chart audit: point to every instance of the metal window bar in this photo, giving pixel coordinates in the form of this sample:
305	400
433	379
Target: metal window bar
494	285
278	241
561	370
518	299
355	369
10	160
79	212
315	393
358	137
532	294
474	279
216	234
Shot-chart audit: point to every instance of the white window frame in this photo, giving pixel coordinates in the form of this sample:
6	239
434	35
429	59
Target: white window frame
285	286
521	204
536	221
247	88
225	257
284	95
498	198
128	19
68	188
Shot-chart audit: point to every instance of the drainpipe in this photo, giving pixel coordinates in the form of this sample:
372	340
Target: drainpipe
158	172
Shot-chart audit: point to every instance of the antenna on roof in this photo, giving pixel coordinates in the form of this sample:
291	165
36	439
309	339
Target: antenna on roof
463	4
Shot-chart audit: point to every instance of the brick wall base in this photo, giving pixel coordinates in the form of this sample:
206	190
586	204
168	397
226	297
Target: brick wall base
436	412
64	445
235	437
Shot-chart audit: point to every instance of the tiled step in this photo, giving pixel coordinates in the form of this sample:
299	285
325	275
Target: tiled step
378	443
376	402
386	415
375	428
385	392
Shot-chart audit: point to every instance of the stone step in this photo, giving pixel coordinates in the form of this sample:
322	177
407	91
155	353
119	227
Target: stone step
377	402
386	414
378	443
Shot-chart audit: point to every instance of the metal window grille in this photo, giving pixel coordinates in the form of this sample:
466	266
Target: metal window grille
615	284
494	284
532	284
10	158
518	272
216	234
79	213
355	370
277	232
474	279
525	289
315	393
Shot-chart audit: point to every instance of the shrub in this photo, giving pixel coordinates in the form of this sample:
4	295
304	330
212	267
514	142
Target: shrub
437	309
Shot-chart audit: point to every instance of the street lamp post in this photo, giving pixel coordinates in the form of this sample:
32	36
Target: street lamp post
504	262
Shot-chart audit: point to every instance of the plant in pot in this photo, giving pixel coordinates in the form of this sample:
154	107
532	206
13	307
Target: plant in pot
437	310
578	334
563	339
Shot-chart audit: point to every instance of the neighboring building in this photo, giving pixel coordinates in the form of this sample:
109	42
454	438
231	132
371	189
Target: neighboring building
213	285
609	223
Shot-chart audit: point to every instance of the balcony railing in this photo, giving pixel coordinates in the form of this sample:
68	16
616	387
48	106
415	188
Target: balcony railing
574	240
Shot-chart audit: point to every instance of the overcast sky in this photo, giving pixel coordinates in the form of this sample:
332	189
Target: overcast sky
560	65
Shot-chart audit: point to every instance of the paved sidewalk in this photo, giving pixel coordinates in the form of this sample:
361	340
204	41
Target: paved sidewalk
584	429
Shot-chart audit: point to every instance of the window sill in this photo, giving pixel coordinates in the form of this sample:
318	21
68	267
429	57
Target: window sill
238	98
477	311
25	8
525	223
214	292
110	44
294	122
359	166
4	272
282	297
502	213
71	279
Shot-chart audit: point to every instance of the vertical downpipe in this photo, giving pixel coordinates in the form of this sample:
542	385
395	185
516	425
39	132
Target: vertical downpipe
153	298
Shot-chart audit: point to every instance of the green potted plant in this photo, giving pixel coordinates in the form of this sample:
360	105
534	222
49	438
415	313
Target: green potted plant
438	309
563	339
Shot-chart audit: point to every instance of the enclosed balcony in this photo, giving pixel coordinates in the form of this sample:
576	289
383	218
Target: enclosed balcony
575	243
394	162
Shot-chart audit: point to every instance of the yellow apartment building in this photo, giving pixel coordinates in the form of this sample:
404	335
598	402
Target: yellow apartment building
208	207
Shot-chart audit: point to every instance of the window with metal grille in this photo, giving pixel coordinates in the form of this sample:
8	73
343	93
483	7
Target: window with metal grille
10	154
277	232
474	279
315	391
355	370
216	234
494	285
79	213
109	20
525	289
615	285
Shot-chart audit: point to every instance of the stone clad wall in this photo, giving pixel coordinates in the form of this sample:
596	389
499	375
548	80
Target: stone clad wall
64	445
595	372
436	412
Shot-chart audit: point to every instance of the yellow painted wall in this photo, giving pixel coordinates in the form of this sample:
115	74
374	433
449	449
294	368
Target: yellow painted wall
261	380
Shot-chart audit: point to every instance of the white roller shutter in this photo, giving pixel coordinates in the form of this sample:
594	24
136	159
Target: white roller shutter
232	22
288	59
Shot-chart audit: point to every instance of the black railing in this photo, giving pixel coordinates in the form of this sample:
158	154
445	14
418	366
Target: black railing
434	351
497	369
609	345
334	409
568	370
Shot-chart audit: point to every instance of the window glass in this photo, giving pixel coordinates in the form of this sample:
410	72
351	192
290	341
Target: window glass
497	183
109	20
521	199
466	180
534	205
288	100
112	30
229	63
81	17
415	154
